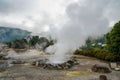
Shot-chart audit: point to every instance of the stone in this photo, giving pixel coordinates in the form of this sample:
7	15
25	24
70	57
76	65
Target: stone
100	69
2	69
2	56
117	69
66	65
37	64
33	63
3	66
103	77
118	64
18	62
113	65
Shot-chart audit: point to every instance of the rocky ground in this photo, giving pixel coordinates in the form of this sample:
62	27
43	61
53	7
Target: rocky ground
82	71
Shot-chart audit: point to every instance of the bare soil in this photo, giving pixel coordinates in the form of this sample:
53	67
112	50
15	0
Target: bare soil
82	71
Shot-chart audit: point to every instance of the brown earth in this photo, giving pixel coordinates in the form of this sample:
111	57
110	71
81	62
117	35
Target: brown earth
82	71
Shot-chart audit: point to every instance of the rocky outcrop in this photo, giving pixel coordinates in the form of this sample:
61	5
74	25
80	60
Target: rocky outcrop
2	56
18	62
103	77
3	66
62	66
100	68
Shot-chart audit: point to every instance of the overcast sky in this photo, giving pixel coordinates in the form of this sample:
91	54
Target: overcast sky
32	14
42	15
70	22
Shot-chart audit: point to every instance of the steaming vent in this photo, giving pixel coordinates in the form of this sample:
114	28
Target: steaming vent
44	63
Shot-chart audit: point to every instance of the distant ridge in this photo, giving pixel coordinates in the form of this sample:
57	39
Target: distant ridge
10	34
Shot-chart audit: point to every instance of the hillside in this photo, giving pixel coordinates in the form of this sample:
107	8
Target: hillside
11	34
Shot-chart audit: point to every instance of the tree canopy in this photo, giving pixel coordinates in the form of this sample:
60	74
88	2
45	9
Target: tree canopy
31	42
113	40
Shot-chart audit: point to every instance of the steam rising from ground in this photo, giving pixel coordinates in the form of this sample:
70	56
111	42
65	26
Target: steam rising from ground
30	54
84	20
70	22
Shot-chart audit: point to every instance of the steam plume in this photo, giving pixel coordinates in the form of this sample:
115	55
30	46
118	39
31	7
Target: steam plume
84	20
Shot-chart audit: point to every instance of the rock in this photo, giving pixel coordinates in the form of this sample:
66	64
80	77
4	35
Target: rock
117	69
3	66
33	63
37	63
18	62
102	77
118	64
66	65
113	65
100	69
2	56
2	69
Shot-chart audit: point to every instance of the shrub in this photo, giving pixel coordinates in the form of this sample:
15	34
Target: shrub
99	54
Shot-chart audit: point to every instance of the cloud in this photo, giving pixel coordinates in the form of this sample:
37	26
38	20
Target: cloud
31	14
13	6
113	11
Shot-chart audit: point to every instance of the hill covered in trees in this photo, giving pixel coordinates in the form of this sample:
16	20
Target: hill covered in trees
11	34
31	42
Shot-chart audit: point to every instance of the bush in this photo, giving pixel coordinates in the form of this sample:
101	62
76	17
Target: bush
99	54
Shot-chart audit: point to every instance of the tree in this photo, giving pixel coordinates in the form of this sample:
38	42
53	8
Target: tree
88	44
113	40
18	44
31	42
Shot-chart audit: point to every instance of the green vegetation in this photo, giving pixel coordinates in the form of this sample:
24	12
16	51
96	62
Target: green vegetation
105	48
21	44
113	40
99	54
94	44
10	34
31	42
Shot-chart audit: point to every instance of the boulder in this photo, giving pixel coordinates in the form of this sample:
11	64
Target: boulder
18	62
117	69
2	69
2	56
115	66
100	68
3	66
103	77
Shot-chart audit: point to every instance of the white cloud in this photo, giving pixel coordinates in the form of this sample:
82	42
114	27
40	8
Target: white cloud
32	15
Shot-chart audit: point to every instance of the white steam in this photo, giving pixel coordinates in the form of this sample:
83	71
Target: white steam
30	54
84	20
68	21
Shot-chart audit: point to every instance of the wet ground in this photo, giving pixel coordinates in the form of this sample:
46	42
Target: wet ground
82	71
